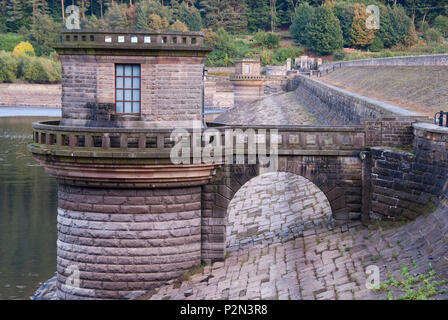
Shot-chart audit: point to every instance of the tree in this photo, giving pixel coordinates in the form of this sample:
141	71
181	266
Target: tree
441	23
318	29
360	35
114	18
228	14
302	18
24	47
14	14
142	19
189	16
178	26
345	13
257	15
44	32
155	22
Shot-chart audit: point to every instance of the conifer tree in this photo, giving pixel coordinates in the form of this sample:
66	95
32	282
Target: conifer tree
114	17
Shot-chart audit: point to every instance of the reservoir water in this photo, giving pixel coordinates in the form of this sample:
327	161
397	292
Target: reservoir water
28	208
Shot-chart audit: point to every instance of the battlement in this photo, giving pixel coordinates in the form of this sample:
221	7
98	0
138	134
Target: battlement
95	42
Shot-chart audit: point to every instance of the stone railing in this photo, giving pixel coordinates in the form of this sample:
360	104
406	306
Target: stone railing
244	77
50	137
130	39
422	60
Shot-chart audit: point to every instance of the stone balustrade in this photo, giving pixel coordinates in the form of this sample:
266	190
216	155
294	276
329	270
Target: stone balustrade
50	136
140	39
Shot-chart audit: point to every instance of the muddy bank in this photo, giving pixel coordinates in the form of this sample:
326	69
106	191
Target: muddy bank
30	95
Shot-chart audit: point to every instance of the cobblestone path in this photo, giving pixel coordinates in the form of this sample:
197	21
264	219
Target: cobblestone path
277	109
321	265
274	206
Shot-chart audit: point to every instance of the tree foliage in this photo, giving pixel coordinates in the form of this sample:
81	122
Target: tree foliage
360	35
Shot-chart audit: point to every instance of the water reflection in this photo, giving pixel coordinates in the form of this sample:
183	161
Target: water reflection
28	203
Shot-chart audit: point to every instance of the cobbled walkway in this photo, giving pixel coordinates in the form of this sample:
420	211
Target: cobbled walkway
327	264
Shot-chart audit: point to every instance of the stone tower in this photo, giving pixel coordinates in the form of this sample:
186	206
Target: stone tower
248	83
128	218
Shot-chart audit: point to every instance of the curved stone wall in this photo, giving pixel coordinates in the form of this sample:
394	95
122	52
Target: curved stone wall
406	184
274	206
422	60
336	106
125	241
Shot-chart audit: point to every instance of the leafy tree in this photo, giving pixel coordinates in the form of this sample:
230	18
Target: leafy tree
210	37
9	40
24	47
178	26
433	35
8	67
266	39
377	45
441	24
44	32
155	22
360	35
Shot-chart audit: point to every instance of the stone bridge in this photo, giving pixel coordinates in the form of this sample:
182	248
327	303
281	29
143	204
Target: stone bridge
119	192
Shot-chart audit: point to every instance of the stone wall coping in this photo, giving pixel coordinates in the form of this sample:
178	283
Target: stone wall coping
244	77
387	59
429	127
387	108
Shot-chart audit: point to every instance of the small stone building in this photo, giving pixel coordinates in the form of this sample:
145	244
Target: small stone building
248	83
132	78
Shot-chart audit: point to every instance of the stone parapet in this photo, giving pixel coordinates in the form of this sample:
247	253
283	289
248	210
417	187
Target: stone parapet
422	60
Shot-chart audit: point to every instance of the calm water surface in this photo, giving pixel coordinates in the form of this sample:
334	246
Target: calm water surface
28	209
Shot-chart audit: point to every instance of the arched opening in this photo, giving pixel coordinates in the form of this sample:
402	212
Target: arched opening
274	206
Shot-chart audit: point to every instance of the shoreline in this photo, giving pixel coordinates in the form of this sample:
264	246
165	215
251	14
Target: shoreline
6	112
30	95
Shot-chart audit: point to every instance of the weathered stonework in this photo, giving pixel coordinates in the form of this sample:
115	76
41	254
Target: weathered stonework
408	184
126	241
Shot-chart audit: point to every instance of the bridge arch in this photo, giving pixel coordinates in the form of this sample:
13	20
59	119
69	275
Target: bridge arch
339	178
274	206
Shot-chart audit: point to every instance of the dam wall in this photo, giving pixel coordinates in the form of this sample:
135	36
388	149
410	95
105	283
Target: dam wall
422	60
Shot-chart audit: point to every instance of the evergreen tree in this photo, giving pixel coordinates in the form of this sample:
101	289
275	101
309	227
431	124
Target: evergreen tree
228	14
360	35
114	18
189	16
318	29
257	15
142	18
14	14
345	13
302	18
